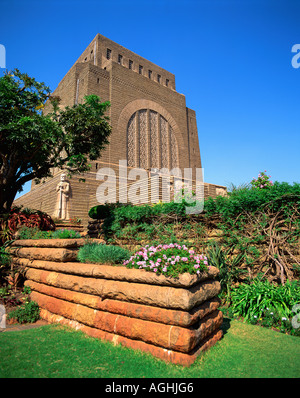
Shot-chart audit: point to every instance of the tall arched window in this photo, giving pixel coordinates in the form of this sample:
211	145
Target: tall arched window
151	142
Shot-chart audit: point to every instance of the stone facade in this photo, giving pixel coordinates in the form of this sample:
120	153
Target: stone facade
151	126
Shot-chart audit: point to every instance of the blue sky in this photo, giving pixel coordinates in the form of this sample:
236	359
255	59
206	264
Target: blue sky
231	59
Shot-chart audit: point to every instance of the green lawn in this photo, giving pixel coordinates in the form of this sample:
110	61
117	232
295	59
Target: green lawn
55	351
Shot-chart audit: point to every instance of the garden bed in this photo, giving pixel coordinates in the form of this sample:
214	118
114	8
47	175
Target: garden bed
173	318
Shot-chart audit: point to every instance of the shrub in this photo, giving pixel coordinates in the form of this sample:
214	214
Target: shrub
227	265
35	233
252	301
29	312
169	260
279	196
99	212
65	234
29	218
102	254
262	182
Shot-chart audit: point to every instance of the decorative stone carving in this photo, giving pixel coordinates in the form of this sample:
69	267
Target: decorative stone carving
159	130
131	141
62	204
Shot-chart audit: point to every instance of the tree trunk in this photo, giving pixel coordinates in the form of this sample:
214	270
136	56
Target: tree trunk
7	197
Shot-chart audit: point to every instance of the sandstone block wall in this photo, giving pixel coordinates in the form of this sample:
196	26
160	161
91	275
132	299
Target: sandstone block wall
129	90
173	319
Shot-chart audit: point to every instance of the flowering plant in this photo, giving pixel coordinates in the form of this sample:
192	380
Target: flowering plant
169	260
262	181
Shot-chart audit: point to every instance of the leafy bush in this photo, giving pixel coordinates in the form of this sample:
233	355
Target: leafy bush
262	182
33	233
253	300
169	260
279	196
99	212
36	233
29	218
228	266
102	254
263	225
29	312
65	234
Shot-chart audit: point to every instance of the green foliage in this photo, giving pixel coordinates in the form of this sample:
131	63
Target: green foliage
35	233
35	142
262	182
280	196
251	301
169	260
99	212
29	312
102	254
5	261
228	266
140	223
4	291
65	234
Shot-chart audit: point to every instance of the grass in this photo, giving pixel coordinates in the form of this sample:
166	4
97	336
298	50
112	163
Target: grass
54	351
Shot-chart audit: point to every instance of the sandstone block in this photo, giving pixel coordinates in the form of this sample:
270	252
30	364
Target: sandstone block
50	254
167	336
162	296
175	357
119	273
133	310
53	243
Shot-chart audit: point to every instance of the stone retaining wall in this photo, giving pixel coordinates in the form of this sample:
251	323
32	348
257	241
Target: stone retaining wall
173	319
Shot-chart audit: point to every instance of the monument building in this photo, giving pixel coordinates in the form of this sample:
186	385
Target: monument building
152	128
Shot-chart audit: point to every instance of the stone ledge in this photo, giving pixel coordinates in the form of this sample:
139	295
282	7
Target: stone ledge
54	243
116	272
155	295
167	336
133	310
175	357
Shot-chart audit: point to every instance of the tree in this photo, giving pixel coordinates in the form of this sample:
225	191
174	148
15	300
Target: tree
32	142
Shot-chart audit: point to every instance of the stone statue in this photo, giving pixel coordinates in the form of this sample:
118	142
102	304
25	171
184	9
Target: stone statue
62	204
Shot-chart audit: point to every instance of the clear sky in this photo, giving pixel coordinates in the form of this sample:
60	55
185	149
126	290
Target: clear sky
231	59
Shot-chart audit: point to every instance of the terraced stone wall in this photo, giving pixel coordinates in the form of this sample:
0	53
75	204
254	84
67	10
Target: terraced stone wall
173	319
